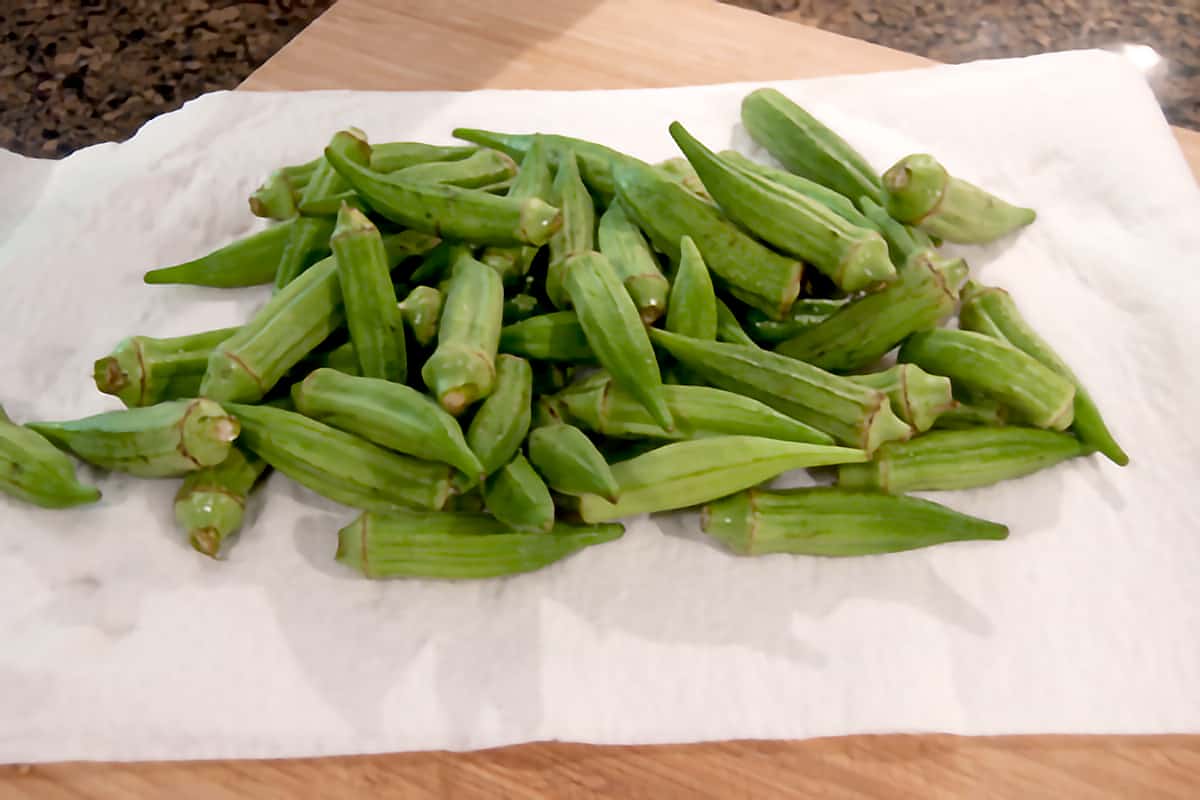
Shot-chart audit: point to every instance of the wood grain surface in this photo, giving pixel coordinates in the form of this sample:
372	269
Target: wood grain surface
426	44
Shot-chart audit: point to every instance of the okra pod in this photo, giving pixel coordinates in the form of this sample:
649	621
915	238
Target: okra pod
854	257
991	311
502	421
622	242
570	463
534	179
372	313
577	233
917	397
339	465
903	241
517	496
211	502
462	369
457	545
667	212
388	414
161	441
995	368
483	167
143	371
961	459
557	336
249	261
973	413
920	192
308	243
728	328
692	307
276	198
854	415
826	521
466	214
689	473
835	201
615	332
806	146
859	334
805	314
34	470
421	310
395	156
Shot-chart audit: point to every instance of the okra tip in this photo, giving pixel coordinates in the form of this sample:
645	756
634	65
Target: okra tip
109	375
914	187
539	221
351	221
206	541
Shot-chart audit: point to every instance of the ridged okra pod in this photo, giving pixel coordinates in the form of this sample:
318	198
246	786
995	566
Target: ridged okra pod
249	261
750	271
853	415
854	257
991	311
920	192
517	496
211	502
578	231
622	243
457	545
806	146
389	414
34	470
805	314
833	200
143	371
395	156
340	466
466	214
570	463
961	459
604	407
917	397
827	521
692	308
904	241
502	421
161	441
995	368
859	334
462	369
535	179
372	313
689	473
615	332
557	336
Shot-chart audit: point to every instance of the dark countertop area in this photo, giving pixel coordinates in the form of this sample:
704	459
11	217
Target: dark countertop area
77	73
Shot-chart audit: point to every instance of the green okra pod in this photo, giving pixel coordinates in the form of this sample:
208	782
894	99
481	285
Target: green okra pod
973	413
388	414
805	313
570	463
826	521
615	332
995	368
211	502
831	199
372	313
395	156
604	407
622	242
160	441
917	397
308	243
854	415
666	212
517	496
991	311
249	261
859	334
920	192
276	198
689	473
519	307
34	470
577	233
854	257
340	466
502	421
465	214
457	545
807	147
421	310
535	179
692	306
462	369
557	336
903	241
483	167
728	328
143	371
960	459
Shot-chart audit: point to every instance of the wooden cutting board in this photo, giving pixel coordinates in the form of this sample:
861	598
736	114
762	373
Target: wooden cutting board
590	44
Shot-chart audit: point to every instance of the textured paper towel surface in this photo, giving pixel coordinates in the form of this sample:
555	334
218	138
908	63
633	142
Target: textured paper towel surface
118	642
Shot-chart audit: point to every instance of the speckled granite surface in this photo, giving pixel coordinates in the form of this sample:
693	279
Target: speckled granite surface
76	73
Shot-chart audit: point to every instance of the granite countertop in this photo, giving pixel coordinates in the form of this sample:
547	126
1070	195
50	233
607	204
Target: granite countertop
77	73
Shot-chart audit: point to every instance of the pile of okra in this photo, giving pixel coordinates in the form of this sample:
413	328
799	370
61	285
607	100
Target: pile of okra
494	352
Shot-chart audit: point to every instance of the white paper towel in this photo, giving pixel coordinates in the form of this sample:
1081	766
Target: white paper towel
119	642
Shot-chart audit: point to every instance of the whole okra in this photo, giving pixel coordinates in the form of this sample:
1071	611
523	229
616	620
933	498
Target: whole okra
517	496
622	242
395	156
692	306
534	179
805	314
557	336
570	463
143	371
211	502
249	261
577	233
34	470
502	421
829	521
372	313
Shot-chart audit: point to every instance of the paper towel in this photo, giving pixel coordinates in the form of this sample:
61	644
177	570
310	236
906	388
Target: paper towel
119	642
